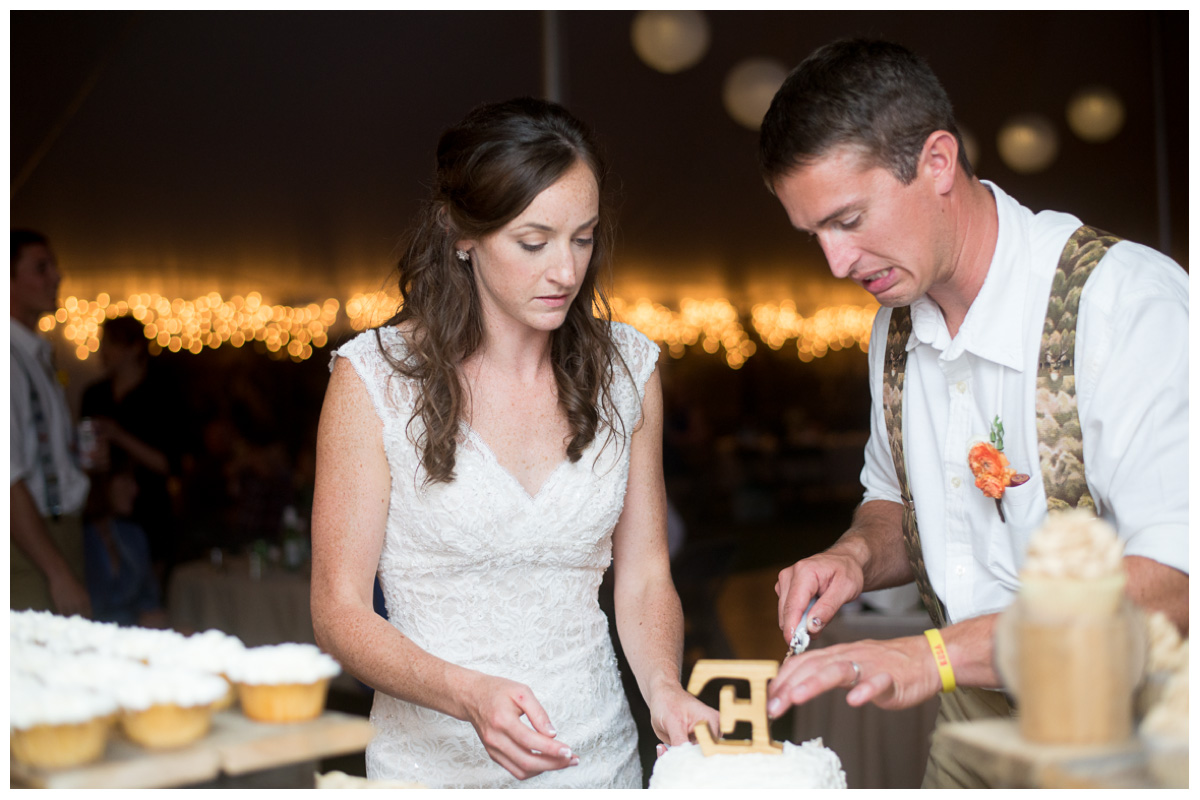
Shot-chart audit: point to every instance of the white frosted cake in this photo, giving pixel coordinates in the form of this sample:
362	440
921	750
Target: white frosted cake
811	765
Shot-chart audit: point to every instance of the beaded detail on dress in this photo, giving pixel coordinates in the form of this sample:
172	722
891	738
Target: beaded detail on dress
482	574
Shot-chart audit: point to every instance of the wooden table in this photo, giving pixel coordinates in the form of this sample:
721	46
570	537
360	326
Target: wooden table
235	746
995	749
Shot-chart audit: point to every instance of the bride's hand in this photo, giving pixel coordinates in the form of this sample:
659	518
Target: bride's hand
495	706
675	712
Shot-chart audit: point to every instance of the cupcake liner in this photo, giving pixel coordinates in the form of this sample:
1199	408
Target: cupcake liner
294	702
58	746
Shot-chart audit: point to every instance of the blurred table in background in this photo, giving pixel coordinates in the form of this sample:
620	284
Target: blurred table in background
267	608
879	749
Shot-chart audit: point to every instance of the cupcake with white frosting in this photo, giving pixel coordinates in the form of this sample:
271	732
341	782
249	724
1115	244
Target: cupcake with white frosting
55	727
1166	654
21	624
168	707
142	644
30	659
1073	568
1168	650
283	682
212	651
98	673
80	636
1164	732
41	627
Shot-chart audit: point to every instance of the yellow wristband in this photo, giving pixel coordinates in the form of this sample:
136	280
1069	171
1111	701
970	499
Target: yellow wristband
941	658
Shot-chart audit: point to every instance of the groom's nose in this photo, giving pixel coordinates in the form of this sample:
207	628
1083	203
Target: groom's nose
840	254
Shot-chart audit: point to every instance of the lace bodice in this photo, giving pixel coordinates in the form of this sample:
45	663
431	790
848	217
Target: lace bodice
483	575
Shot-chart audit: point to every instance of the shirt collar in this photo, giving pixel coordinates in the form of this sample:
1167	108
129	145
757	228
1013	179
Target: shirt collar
992	327
27	342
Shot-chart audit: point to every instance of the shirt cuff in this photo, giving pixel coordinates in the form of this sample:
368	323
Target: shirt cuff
1166	544
882	494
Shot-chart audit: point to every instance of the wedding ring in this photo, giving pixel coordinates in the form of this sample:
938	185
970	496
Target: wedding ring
857	674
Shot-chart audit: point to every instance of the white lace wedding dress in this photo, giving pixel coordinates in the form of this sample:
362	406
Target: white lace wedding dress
483	575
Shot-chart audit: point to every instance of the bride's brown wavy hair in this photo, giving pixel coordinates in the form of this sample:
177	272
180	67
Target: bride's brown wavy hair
490	167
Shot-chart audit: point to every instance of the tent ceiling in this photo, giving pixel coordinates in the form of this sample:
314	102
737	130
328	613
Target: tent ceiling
192	151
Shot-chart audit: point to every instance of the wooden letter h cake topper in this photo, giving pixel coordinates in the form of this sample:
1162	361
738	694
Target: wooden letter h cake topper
734	710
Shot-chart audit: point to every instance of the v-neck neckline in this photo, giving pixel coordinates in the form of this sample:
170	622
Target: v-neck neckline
490	455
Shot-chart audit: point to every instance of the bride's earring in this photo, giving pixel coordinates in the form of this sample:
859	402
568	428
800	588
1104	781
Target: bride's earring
463	255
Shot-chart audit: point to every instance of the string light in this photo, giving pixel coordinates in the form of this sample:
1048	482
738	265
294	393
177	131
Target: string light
207	321
178	325
830	328
715	324
371	310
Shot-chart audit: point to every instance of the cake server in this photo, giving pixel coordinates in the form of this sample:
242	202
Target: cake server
800	637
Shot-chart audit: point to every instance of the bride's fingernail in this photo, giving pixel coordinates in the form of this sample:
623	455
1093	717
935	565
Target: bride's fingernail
815	623
574	762
553	732
773	706
565	752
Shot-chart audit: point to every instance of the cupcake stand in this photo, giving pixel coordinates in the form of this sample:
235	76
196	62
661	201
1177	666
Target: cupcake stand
996	750
1077	682
235	748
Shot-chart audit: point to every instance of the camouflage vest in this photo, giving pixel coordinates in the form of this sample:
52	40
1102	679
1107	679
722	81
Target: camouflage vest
1059	429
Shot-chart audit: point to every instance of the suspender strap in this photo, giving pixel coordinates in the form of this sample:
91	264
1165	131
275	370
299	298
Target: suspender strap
1057	414
1057	409
51	493
895	359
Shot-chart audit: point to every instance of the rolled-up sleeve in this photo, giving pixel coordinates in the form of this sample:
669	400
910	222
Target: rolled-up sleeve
1133	399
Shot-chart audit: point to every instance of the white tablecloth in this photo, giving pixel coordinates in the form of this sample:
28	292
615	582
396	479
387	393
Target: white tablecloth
269	609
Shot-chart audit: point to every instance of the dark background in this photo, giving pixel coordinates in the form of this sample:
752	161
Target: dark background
235	147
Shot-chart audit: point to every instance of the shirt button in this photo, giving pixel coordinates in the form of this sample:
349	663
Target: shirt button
960	570
955	482
962	387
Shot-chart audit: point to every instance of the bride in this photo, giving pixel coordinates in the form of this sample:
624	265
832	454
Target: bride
488	452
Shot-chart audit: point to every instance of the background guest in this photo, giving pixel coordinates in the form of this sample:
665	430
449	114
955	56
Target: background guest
130	408
47	489
120	577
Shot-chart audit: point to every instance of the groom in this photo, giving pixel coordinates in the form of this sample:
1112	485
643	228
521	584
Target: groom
861	148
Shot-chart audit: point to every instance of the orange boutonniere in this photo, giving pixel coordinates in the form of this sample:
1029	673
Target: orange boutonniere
990	466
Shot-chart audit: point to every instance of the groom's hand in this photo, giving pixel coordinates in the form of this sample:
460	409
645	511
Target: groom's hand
835	578
892	674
